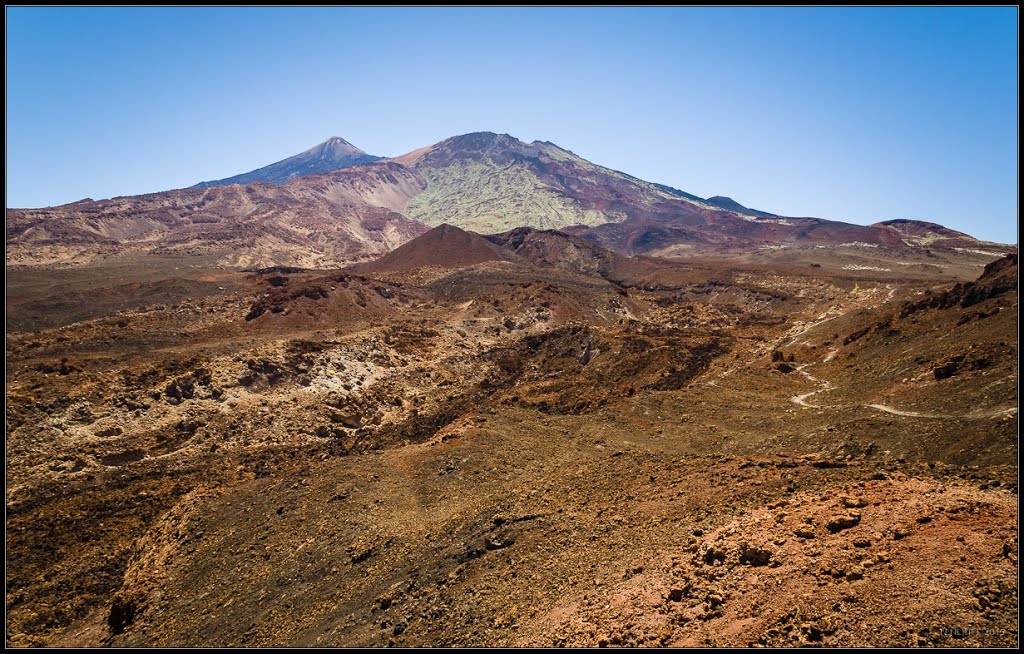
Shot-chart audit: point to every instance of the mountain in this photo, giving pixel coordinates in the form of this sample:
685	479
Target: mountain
333	154
324	220
493	183
922	233
444	246
482	182
554	249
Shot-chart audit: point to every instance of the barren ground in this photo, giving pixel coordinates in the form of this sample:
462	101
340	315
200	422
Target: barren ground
511	455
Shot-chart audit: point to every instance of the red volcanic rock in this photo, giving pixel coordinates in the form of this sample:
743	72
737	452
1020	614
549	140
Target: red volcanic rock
444	247
316	221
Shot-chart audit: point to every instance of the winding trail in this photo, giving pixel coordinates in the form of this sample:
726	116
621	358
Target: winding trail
823	385
801	400
800	329
892	292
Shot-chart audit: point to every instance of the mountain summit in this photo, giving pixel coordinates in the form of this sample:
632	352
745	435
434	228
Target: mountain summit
482	182
332	154
492	183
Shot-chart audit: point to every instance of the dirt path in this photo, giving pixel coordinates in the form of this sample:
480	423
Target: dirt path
908	414
865	299
892	292
802	399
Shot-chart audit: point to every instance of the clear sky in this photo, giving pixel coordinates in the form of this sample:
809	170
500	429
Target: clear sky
855	114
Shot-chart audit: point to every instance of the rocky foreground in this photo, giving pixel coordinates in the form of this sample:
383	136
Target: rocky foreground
546	445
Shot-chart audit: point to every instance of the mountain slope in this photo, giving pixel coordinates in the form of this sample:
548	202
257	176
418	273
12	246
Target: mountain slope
444	246
483	182
729	204
317	221
948	351
921	233
333	154
494	182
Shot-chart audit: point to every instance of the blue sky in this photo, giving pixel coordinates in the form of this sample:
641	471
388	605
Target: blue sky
855	114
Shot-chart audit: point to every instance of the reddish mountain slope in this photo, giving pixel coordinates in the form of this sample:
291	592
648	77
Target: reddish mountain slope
484	182
494	182
442	247
316	221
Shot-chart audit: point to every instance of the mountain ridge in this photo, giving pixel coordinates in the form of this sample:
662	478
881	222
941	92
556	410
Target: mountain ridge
333	154
483	182
325	220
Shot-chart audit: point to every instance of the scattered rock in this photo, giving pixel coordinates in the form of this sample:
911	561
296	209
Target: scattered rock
754	555
838	523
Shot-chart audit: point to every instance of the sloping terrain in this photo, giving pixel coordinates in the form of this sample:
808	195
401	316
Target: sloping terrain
729	204
490	183
316	221
917	232
494	182
561	446
555	249
942	354
333	154
482	182
443	246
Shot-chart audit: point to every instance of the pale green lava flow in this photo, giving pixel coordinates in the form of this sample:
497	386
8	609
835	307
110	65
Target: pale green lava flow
484	196
487	198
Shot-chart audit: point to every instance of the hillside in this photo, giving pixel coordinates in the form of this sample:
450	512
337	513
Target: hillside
493	183
482	182
581	449
315	221
442	247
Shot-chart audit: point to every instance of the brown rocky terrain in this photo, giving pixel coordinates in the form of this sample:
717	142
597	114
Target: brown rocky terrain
520	440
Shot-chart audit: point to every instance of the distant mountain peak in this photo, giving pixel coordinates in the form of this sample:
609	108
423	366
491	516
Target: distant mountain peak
330	155
500	149
336	143
481	139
